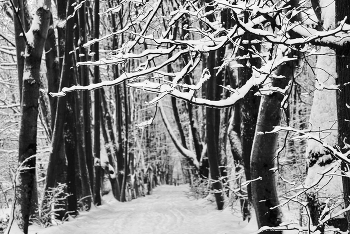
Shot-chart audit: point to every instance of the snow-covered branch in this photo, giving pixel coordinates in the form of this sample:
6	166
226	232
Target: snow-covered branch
304	133
120	79
191	156
258	78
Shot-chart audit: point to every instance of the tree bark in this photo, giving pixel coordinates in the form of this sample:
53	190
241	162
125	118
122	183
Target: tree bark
26	175
57	165
126	165
86	98
52	69
68	118
322	117
213	124
20	23
342	10
249	111
264	192
111	158
118	101
97	192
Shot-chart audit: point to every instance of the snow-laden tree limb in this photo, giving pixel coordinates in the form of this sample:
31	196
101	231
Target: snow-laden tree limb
211	42
120	79
122	57
304	133
258	78
191	156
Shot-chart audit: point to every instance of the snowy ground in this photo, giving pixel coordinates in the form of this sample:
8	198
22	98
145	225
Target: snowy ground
168	210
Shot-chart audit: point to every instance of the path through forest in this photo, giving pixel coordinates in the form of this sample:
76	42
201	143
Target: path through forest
168	210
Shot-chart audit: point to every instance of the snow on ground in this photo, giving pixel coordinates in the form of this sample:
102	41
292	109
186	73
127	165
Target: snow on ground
168	210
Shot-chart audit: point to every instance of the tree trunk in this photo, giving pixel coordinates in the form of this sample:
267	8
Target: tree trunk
342	10
86	99
20	28
68	119
112	177
110	154
84	194
57	166
119	122
126	165
71	147
118	111
97	192
322	117
249	111
52	69
26	174
264	191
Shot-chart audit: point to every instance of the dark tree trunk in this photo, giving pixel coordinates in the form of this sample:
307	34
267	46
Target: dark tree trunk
249	112
118	101
264	191
19	21
126	166
86	99
52	69
44	113
84	193
82	176
57	166
97	192
71	147
26	174
342	10
221	77
213	123
119	122
70	125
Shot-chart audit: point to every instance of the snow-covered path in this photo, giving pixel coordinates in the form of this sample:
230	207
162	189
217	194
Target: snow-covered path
168	210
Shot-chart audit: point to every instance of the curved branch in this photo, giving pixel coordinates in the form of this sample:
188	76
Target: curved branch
185	152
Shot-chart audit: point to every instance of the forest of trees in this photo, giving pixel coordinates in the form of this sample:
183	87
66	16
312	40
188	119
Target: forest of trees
252	95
